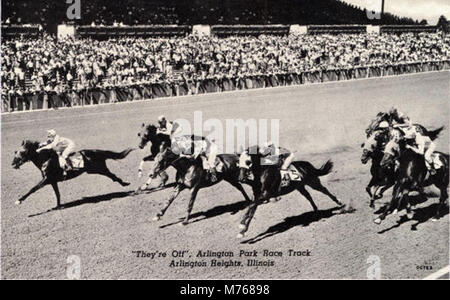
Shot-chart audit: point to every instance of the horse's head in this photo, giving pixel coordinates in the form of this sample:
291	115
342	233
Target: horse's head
147	134
374	142
248	161
391	153
25	153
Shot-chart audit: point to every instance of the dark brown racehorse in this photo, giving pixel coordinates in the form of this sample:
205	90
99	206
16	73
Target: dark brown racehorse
191	175
413	175
158	142
382	178
267	180
47	162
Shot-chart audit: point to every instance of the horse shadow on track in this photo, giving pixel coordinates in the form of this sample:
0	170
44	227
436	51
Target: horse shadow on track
100	198
421	214
233	209
302	220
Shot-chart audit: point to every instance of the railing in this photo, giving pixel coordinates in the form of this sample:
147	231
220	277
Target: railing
103	95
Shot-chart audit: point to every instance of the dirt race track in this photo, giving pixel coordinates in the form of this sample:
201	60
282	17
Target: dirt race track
102	223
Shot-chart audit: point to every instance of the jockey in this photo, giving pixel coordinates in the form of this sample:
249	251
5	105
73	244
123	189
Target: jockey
425	147
401	121
62	146
208	153
272	154
209	159
167	127
398	119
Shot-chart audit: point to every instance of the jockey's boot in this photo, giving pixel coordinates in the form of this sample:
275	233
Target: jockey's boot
431	169
213	174
68	166
285	178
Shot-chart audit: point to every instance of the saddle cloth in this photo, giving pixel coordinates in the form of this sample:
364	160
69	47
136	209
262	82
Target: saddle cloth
292	175
76	160
436	161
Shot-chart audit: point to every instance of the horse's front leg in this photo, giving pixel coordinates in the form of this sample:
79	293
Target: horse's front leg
141	169
164	178
58	195
40	185
396	196
380	191
194	192
176	191
141	164
243	226
369	187
240	188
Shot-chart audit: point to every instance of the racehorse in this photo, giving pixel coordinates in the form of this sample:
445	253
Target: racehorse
413	175
267	180
180	144
382	178
159	141
191	175
48	162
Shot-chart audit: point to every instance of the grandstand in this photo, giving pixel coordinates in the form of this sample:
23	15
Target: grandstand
49	13
190	47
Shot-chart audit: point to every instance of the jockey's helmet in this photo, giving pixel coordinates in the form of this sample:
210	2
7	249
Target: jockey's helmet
161	119
393	111
383	125
51	134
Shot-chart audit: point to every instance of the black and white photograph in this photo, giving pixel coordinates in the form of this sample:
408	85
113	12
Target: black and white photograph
206	140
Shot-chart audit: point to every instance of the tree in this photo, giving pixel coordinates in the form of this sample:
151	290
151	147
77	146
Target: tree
443	24
423	22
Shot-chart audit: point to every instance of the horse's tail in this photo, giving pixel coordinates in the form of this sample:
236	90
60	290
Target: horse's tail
117	155
324	170
435	133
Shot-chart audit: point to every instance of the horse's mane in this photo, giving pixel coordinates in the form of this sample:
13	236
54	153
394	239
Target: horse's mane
34	145
31	145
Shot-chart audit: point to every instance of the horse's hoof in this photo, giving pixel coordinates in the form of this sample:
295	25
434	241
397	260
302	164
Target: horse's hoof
410	215
18	202
143	188
241	226
377	221
395	212
156	219
126	184
434	219
240	236
372	206
184	223
140	174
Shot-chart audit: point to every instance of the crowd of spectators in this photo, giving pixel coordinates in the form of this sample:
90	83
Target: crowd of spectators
48	64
